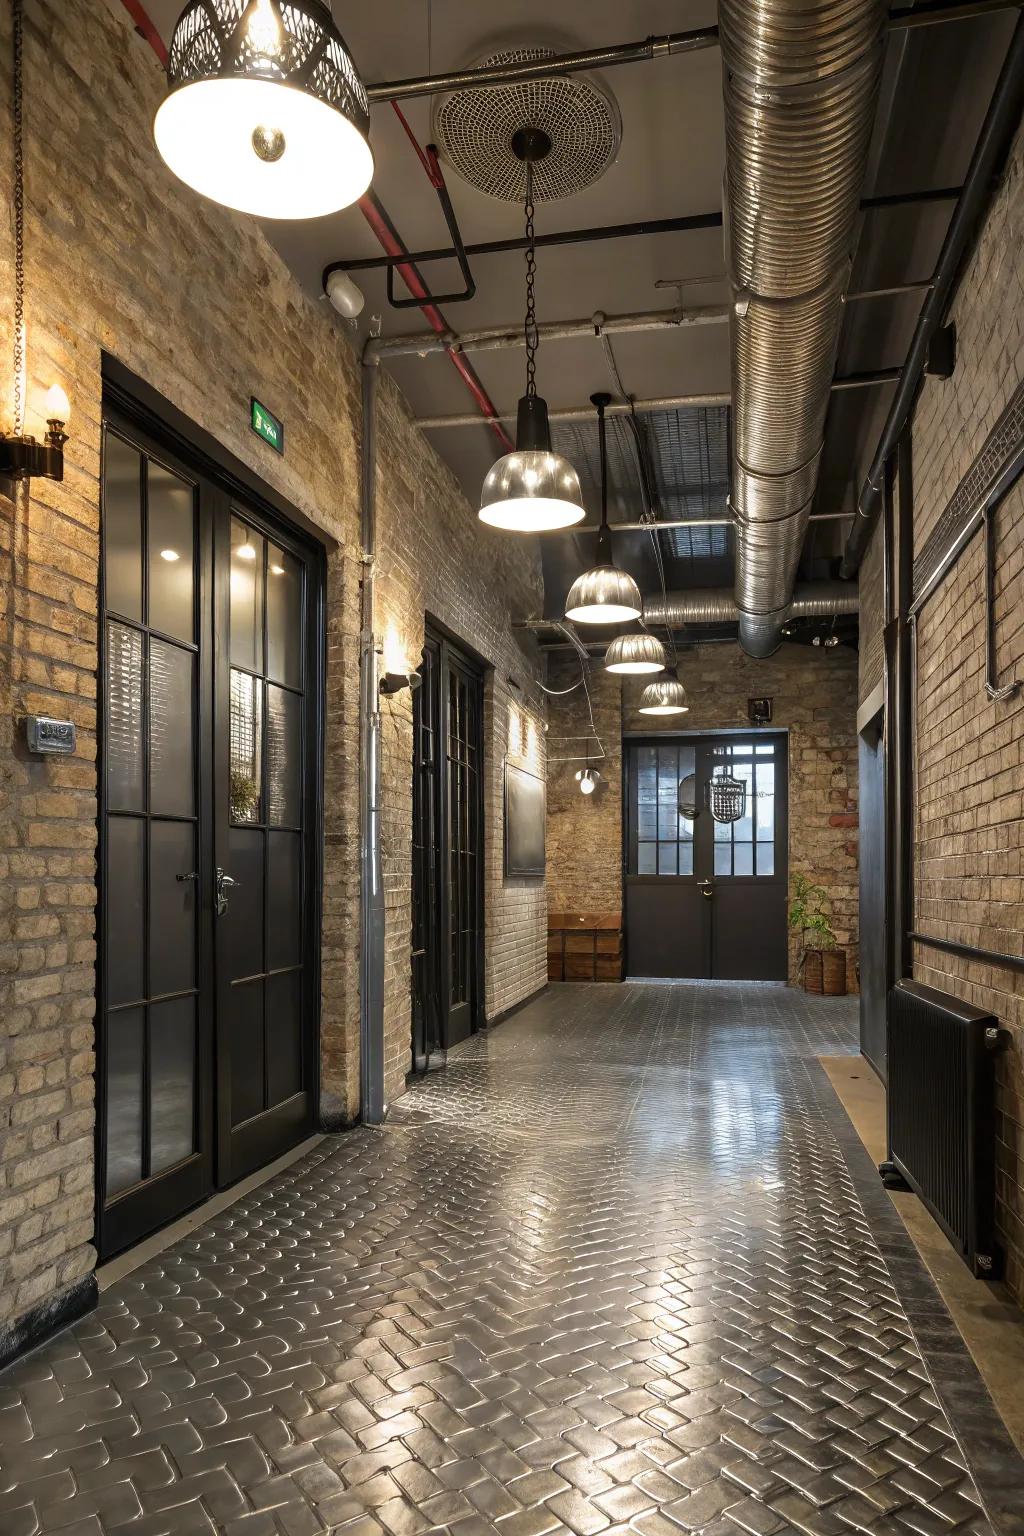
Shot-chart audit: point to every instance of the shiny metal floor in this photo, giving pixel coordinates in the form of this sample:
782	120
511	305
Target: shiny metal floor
615	1269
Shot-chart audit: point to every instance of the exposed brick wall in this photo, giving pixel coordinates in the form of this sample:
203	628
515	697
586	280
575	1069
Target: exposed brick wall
584	842
969	788
123	259
815	699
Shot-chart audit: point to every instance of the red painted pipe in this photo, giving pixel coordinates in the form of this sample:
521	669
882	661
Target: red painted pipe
376	216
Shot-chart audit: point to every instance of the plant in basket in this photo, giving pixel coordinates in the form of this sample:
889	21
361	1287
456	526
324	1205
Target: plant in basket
823	963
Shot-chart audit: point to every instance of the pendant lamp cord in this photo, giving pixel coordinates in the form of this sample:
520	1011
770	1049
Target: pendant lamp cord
530	334
19	221
602	439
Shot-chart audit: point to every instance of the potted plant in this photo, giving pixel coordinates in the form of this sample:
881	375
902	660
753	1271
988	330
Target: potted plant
823	962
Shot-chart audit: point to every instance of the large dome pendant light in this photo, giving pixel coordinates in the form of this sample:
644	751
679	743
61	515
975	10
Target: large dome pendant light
665	697
635	655
265	111
603	595
532	490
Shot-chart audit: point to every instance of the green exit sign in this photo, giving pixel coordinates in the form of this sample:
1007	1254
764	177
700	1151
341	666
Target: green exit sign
266	425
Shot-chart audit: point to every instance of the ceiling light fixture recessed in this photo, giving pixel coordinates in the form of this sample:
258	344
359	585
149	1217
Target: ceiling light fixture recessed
265	111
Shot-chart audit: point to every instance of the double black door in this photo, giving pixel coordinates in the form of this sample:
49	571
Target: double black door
208	835
706	899
447	841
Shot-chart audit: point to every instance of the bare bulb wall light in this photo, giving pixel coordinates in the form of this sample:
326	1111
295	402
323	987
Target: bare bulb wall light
265	111
22	457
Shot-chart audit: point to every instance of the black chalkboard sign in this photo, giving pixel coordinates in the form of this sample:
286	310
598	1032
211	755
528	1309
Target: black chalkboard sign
524	822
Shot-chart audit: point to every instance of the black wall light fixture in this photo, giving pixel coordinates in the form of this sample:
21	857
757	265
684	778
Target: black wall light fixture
395	682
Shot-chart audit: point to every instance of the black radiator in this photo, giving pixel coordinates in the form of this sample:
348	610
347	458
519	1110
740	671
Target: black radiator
941	1102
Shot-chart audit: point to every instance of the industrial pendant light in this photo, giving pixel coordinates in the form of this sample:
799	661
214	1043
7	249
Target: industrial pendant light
531	490
634	655
603	595
665	697
265	112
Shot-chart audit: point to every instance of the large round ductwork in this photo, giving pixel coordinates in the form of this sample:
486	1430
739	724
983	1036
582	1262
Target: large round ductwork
801	78
713	605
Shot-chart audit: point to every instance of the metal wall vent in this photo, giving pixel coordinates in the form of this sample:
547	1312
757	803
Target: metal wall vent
473	130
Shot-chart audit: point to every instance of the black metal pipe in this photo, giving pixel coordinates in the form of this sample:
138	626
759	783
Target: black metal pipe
998	130
542	69
926	13
684	224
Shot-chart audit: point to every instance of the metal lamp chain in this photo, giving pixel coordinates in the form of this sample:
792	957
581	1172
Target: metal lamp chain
19	225
530	334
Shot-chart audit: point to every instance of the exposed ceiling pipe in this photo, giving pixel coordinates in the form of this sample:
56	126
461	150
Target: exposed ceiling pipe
800	84
502	338
662	402
815	600
924	13
997	133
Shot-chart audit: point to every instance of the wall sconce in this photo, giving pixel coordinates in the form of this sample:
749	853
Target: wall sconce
394	682
587	779
23	458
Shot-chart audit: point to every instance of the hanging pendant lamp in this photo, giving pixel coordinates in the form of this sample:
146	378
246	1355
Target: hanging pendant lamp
532	490
604	594
265	111
665	697
634	655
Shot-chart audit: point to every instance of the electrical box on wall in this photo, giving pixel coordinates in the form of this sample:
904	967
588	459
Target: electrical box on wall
759	711
50	737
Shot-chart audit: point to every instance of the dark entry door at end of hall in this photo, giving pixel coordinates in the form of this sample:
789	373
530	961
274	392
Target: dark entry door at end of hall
706	899
447	847
209	831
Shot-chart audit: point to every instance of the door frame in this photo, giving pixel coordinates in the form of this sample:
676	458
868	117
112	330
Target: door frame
136	410
730	734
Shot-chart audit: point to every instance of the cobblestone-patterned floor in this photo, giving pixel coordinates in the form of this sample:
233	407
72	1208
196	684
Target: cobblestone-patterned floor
608	1272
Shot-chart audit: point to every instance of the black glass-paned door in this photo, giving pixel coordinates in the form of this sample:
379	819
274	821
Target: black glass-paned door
206	1059
704	898
447	851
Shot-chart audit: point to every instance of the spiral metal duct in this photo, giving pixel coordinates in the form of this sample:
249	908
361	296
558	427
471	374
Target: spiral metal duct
710	605
801	77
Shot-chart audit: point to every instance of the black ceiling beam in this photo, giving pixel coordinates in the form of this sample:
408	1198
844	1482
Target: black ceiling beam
685	224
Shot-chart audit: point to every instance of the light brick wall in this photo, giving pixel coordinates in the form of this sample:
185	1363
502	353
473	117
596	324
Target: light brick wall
969	830
123	259
815	698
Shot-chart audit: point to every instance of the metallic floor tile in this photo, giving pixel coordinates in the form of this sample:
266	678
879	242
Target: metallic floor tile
609	1271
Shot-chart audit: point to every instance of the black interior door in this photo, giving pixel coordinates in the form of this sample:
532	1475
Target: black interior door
706	899
447	851
207	997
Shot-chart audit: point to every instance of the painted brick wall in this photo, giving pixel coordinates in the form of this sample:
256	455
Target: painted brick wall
815	698
195	300
969	830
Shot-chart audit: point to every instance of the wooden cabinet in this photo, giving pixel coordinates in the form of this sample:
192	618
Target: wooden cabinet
585	946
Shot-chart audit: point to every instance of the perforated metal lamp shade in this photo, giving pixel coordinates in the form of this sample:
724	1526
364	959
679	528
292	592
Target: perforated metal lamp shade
532	490
265	111
635	655
665	697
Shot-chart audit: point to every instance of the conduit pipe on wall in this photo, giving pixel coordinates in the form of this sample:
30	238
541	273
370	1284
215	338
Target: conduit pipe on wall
815	600
371	875
800	86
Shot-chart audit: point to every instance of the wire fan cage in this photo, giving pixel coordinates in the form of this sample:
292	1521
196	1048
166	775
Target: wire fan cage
209	42
727	798
474	130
